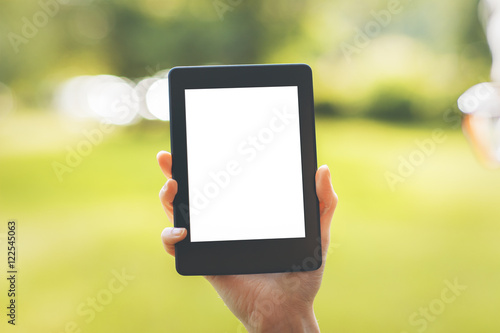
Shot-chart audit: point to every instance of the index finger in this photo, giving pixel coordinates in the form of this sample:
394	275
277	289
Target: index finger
165	161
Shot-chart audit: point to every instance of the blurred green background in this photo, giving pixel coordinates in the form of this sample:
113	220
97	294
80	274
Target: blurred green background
417	211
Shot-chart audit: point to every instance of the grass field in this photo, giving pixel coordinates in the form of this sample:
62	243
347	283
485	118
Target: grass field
395	250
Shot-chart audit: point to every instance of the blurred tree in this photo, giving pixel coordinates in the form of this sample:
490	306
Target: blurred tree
393	104
136	38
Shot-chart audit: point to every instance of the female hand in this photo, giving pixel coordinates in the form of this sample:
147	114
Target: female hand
277	302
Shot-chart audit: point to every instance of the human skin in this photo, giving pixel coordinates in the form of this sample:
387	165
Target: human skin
277	302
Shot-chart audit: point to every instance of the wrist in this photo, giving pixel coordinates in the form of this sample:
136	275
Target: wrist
285	321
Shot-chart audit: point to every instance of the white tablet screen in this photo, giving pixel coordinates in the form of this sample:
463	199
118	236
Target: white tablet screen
244	164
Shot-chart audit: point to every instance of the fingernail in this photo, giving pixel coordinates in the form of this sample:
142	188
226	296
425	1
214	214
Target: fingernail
328	169
177	231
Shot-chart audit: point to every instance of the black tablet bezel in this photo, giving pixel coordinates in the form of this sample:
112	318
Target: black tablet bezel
245	256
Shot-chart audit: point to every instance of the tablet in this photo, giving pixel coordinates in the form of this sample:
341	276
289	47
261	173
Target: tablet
244	156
